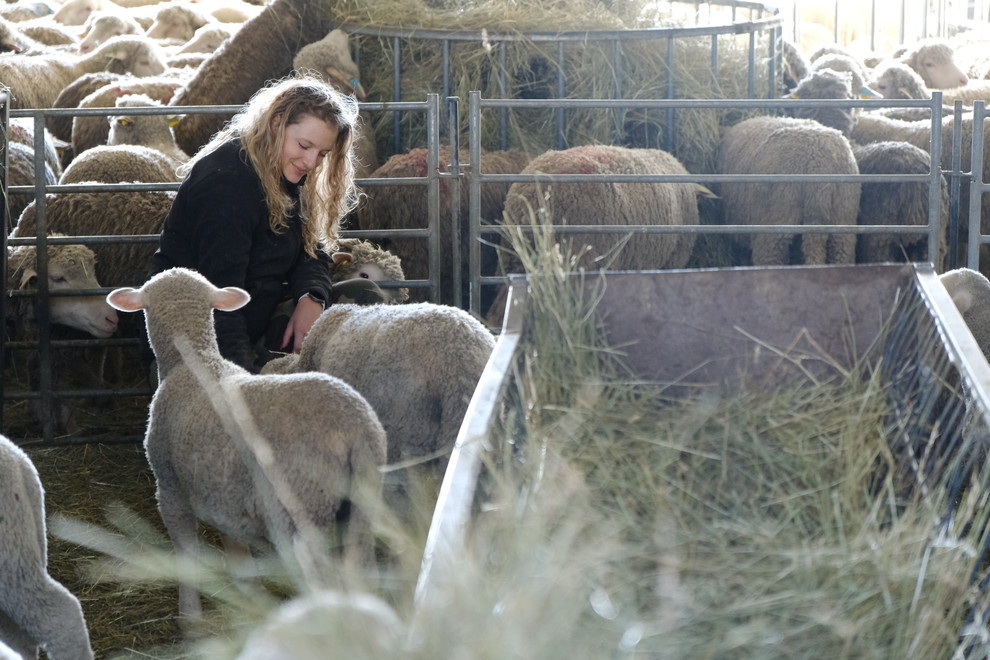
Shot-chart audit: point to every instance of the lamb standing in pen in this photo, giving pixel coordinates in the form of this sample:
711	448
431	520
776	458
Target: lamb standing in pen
147	130
416	364
35	609
902	203
787	145
934	60
35	81
329	441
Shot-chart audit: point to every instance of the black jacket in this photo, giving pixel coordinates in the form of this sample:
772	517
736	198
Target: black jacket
218	225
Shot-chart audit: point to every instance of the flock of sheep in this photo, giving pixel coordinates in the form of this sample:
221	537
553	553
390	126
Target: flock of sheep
134	55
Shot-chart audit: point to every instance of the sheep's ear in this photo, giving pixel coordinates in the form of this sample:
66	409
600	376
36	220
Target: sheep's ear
230	298
342	258
173	120
126	299
704	191
28	278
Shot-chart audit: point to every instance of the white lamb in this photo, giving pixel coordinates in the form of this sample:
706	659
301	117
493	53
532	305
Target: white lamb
35	609
416	364
210	419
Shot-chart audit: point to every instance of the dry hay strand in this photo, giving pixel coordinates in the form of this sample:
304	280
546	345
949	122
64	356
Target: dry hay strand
81	482
518	67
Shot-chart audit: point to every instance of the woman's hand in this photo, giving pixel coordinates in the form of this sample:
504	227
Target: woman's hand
303	317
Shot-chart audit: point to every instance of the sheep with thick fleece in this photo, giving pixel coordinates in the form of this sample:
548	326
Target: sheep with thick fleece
328	443
36	80
901	203
330	59
896	80
405	207
207	39
72	94
416	364
177	21
21	130
235	71
106	214
120	163
826	84
35	609
789	145
970	291
76	12
607	203
20	172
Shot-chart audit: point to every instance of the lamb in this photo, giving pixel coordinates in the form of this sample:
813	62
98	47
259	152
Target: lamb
618	204
848	64
177	21
147	130
934	60
76	12
35	609
70	267
434	353
896	80
330	59
88	132
36	80
203	450
235	72
788	145
103	25
356	258
405	207
902	203
970	291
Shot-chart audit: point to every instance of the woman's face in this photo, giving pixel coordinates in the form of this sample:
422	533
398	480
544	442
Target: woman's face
306	144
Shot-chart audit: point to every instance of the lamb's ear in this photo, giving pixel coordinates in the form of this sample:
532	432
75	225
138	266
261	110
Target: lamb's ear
230	298
342	258
28	277
126	299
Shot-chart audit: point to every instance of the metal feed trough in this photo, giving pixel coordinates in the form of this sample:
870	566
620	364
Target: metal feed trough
706	328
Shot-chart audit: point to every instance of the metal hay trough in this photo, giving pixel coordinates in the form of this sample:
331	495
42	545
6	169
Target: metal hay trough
754	327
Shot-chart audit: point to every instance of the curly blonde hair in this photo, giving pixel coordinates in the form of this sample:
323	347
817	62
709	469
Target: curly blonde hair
328	193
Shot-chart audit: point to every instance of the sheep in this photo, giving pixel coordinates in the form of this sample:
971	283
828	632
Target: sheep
790	145
934	60
21	130
354	257
235	72
901	203
207	39
14	40
88	132
612	204
70	267
329	440
434	354
154	131
177	21
826	84
871	127
794	66
330	59
70	97
970	291
106	214
36	80
304	626
20	172
848	64
120	163
19	12
103	25
51	35
35	609
896	80
405	207
75	12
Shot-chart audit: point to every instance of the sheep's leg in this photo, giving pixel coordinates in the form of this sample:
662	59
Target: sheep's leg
52	618
813	249
770	249
180	522
842	248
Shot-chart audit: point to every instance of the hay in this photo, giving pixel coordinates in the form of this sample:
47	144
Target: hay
505	62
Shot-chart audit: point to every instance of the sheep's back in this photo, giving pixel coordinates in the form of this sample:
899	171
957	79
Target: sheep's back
589	203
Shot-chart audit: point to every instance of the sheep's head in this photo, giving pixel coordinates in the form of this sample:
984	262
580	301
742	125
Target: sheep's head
826	84
361	259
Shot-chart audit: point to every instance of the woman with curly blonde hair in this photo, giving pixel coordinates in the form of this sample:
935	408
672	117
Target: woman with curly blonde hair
256	205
